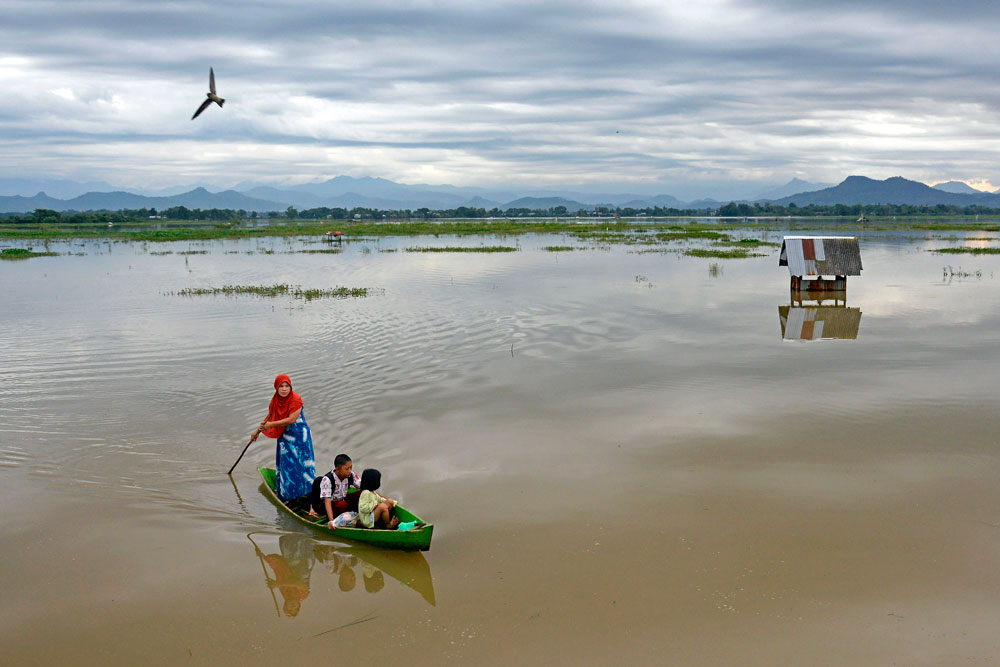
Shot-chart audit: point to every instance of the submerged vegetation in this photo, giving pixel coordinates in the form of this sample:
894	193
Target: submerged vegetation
23	253
483	248
968	251
374	224
294	291
732	253
949	272
755	243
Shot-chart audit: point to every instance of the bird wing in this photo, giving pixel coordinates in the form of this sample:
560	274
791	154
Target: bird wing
201	108
211	80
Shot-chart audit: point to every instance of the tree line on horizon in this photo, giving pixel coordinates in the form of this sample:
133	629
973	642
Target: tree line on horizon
730	210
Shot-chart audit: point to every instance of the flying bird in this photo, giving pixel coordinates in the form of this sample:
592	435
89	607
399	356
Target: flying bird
212	97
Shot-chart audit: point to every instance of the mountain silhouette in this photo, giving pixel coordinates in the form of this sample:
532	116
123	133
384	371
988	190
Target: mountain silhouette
896	190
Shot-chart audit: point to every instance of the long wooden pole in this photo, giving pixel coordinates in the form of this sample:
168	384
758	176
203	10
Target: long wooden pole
252	438
267	579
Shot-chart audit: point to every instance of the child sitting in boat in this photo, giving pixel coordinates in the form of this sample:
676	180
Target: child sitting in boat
374	510
329	494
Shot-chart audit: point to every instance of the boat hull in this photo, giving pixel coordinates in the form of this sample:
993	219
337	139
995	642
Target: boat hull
418	539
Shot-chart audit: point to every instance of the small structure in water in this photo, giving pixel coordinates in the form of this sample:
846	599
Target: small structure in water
810	258
335	237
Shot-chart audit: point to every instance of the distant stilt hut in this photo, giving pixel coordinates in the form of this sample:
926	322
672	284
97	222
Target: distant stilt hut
810	258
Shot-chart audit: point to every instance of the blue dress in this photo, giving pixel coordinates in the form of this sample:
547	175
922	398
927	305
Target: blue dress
295	460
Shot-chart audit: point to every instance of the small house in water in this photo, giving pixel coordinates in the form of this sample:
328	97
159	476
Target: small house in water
811	258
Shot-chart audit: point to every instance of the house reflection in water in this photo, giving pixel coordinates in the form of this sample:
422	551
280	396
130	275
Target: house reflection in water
818	322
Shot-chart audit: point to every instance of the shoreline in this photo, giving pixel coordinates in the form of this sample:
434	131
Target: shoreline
179	230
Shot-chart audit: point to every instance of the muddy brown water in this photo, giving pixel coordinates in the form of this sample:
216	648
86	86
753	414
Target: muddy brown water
627	457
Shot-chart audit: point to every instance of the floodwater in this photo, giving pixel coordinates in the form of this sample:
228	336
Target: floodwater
628	457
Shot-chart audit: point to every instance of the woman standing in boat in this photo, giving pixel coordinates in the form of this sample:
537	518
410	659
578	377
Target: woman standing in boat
294	457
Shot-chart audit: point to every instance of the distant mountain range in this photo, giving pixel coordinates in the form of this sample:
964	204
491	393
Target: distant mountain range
896	190
792	187
339	192
957	186
378	193
58	188
113	201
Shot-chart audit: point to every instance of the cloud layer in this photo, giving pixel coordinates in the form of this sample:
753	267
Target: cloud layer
646	97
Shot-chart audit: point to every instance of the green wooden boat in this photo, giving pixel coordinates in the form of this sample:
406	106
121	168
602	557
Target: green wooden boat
406	540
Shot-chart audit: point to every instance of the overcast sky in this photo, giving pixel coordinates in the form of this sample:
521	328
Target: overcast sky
651	97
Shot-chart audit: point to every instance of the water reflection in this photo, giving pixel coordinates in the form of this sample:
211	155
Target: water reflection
289	568
819	320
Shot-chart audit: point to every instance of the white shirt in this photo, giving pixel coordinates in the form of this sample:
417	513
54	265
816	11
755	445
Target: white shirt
326	489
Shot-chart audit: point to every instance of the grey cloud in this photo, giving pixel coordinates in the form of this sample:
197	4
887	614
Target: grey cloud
532	84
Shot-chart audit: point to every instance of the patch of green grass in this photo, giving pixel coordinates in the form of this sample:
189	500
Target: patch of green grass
733	253
758	243
482	248
968	251
192	252
277	290
745	243
320	251
561	248
620	237
642	232
23	253
677	235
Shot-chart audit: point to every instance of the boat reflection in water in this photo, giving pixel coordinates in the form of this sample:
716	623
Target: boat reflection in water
289	567
819	319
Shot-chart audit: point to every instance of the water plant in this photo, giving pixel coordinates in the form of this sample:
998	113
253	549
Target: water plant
677	234
23	253
756	243
733	253
949	272
482	248
278	290
968	251
561	248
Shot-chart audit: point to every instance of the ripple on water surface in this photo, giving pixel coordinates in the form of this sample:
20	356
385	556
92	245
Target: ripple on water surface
126	387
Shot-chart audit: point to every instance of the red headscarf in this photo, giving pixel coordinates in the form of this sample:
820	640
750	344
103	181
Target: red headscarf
281	408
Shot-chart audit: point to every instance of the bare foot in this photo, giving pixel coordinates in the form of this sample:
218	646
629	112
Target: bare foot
394	523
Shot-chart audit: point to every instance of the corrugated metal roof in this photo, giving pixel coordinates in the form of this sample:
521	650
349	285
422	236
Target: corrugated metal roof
819	322
821	255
